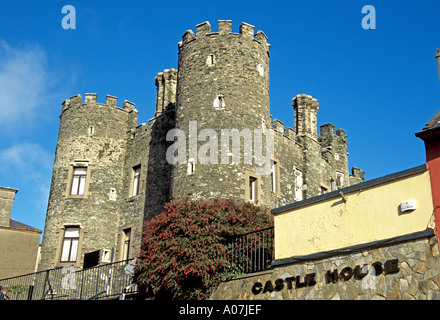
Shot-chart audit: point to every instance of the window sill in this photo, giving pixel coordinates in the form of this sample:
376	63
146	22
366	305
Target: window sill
70	196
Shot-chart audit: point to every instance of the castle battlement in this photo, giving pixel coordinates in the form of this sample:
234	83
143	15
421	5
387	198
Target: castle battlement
137	131
203	30
91	98
328	130
278	126
132	170
284	131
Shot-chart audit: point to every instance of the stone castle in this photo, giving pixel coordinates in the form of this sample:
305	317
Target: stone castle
111	174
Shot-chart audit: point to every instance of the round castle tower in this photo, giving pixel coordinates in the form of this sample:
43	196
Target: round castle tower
222	84
87	180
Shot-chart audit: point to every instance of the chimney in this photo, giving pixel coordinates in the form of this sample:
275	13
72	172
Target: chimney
7	196
437	56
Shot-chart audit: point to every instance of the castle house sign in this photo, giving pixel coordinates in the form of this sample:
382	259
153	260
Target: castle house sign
366	272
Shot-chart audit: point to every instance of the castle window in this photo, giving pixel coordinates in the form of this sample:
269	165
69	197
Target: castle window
106	255
273	176
112	194
339	179
210	60
191	166
299	181
219	102
69	251
136	180
323	190
252	189
91	130
332	184
126	244
78	181
260	69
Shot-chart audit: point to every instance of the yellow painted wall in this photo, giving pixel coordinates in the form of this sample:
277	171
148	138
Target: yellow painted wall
369	214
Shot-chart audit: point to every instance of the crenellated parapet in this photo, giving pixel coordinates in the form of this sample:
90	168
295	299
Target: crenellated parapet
81	112
203	30
328	135
285	131
111	174
91	98
333	143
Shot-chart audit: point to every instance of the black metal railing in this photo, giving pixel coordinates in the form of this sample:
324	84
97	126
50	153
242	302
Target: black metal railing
105	281
252	251
249	252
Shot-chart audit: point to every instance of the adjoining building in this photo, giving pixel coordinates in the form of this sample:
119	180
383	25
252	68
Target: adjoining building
19	243
212	135
373	240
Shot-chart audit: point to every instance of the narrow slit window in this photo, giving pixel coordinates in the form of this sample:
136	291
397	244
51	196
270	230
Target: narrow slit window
136	180
273	177
112	194
332	184
191	166
126	244
299	181
210	60
339	179
219	102
252	189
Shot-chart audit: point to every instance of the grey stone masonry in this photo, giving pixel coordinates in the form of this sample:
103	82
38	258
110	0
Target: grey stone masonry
112	174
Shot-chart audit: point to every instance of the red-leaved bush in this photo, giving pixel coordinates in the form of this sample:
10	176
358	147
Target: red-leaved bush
184	253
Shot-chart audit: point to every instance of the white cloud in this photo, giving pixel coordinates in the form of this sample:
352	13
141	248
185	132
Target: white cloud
28	167
24	83
26	161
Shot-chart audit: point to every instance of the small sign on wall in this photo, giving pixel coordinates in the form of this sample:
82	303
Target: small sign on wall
406	206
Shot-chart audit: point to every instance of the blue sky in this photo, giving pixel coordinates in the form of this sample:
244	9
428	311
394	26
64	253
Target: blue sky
380	85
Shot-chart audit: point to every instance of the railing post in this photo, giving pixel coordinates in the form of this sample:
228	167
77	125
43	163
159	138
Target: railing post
81	289
44	287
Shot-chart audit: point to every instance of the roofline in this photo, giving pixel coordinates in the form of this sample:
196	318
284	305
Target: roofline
425	133
8	188
337	193
21	229
356	248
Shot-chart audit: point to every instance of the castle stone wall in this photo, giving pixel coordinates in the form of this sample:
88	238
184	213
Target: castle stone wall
217	99
91	136
223	83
